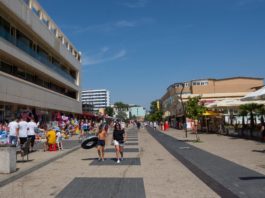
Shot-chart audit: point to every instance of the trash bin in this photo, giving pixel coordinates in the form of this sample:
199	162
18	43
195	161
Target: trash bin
8	162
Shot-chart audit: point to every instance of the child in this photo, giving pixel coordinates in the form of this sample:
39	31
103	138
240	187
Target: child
101	142
59	140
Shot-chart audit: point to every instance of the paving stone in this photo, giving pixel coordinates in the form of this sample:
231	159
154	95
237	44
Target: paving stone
113	161
108	150
104	187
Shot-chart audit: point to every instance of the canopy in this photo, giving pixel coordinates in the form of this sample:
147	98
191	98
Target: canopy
232	103
256	95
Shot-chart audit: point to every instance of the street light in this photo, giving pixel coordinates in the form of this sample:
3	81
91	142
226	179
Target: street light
184	110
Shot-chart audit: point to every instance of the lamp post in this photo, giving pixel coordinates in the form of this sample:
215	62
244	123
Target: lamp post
184	110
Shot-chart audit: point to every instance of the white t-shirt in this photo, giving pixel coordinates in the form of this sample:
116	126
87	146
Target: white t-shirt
31	126
13	128
23	129
58	137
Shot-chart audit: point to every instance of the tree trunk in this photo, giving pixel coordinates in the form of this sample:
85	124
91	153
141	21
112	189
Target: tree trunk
251	123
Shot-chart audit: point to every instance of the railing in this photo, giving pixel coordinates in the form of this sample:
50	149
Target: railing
6	35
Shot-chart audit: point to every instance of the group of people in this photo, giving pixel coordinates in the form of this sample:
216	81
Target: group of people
119	138
20	130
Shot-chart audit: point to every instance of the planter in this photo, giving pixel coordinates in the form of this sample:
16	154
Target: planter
8	163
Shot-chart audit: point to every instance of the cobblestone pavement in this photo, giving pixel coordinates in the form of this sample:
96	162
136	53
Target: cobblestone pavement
149	170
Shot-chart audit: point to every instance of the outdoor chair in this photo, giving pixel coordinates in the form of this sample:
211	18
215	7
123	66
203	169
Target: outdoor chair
24	150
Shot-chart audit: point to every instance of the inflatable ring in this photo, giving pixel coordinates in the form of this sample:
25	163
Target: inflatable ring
90	142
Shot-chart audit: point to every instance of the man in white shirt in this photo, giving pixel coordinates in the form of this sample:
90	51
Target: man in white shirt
22	131
13	131
31	132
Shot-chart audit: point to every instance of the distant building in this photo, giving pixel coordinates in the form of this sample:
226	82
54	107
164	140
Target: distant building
133	110
96	98
39	66
209	89
137	111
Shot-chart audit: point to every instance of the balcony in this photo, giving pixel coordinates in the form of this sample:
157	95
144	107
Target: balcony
49	65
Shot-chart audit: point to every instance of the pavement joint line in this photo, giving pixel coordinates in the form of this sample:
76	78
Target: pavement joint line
208	180
36	167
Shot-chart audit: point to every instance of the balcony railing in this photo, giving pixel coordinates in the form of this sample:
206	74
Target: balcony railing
54	67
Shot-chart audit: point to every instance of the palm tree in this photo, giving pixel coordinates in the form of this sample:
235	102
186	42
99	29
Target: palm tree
243	112
261	112
251	108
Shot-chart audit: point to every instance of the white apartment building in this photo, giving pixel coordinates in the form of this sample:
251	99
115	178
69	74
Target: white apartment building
39	66
98	98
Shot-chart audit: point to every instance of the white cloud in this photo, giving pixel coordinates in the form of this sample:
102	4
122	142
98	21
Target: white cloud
124	23
136	3
105	55
107	27
247	2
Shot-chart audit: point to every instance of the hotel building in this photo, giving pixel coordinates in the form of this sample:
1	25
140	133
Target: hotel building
39	66
209	89
97	98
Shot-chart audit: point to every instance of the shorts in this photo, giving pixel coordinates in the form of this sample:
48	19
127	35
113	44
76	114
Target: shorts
118	143
101	143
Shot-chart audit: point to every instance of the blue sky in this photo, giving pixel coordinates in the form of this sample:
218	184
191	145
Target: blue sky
137	48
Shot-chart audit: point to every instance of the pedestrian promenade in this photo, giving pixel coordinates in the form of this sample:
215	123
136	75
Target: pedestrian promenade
38	159
206	159
79	174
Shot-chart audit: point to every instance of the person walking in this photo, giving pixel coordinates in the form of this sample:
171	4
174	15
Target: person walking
13	131
119	137
31	125
102	134
22	131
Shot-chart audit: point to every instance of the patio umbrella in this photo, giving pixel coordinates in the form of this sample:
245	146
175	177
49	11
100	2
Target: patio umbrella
257	95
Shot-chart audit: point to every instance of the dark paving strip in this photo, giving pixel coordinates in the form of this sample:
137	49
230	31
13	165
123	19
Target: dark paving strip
129	144
112	161
34	168
132	139
221	175
108	150
104	187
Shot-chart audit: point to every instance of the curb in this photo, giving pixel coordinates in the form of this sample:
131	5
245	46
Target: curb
36	167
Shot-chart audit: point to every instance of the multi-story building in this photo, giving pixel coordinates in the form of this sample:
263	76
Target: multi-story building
39	66
209	89
97	98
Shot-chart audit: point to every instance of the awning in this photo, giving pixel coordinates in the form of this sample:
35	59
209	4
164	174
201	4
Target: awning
256	95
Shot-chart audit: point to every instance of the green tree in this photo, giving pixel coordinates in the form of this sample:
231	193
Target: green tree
109	111
261	112
194	110
251	108
121	115
243	112
155	112
121	106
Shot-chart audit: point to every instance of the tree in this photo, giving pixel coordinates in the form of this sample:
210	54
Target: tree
121	106
155	112
251	108
243	112
121	115
194	110
109	111
261	112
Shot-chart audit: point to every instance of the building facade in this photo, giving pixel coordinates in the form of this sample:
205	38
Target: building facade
39	66
209	89
97	98
138	112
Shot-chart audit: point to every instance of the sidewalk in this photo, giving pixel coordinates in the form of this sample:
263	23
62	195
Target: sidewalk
247	153
38	159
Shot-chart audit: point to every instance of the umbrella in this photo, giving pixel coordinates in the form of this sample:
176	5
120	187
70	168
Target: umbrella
256	95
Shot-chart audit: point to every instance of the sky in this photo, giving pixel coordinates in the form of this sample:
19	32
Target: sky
137	48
